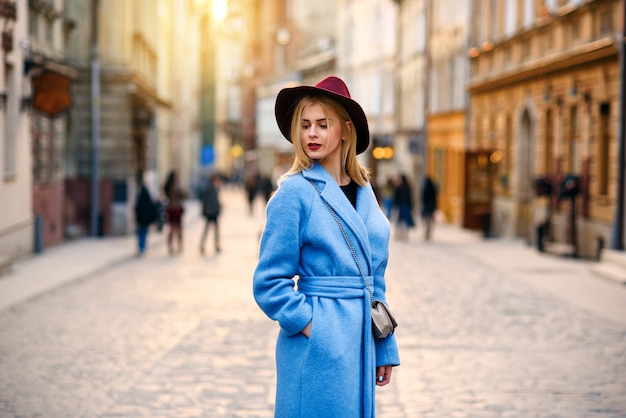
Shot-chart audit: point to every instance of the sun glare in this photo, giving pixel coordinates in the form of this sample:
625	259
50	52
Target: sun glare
220	10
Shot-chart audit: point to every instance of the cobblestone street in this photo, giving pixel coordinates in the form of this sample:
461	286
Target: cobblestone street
488	328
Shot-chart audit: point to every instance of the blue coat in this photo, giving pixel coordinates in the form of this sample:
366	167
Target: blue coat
306	272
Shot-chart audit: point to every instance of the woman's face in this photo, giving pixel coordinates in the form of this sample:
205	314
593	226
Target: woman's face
321	137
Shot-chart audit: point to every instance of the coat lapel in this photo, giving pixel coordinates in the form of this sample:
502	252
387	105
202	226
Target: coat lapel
354	225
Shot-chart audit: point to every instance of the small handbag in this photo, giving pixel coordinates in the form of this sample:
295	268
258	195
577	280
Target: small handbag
383	321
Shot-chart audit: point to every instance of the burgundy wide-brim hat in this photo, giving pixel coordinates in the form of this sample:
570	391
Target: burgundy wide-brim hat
332	87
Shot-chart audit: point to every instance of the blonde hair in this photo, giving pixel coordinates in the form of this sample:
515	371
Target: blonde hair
357	172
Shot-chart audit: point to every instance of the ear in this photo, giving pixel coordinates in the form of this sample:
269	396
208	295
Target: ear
349	126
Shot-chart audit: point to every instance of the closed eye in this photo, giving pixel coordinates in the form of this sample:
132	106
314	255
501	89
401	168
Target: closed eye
321	123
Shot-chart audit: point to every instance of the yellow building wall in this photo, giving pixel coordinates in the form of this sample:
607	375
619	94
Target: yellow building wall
565	120
446	150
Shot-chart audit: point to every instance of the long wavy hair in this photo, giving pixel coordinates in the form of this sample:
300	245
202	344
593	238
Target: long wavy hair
357	172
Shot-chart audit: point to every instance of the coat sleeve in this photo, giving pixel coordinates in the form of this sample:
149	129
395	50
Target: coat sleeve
279	257
387	349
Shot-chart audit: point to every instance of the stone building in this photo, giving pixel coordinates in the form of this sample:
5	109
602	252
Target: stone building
448	101
17	229
146	104
544	107
366	58
228	30
295	44
411	78
51	79
271	71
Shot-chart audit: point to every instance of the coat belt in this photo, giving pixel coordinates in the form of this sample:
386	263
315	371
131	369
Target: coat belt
344	287
340	287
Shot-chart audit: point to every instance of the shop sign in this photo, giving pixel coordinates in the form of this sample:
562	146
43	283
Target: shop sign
51	93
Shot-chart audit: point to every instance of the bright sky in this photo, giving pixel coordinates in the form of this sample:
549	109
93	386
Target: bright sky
220	10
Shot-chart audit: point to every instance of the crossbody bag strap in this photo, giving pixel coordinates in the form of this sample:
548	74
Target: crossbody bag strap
345	236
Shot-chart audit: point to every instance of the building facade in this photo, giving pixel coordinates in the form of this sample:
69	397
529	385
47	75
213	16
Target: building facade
366	57
145	105
295	45
545	100
448	102
17	223
229	29
51	78
412	87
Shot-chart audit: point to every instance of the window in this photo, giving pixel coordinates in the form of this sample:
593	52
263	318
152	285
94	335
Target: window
492	132
573	139
479	26
510	17
493	20
440	169
508	152
10	110
49	39
420	35
526	49
602	165
549	142
606	22
461	77
575	29
529	13
478	140
551	4
549	38
33	24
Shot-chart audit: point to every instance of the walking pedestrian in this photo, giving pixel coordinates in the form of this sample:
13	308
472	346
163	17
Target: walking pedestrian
429	206
211	208
252	186
174	210
386	193
403	201
328	362
266	187
145	214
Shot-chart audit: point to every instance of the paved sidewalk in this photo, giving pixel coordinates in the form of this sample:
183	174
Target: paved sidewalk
73	260
76	259
489	328
572	280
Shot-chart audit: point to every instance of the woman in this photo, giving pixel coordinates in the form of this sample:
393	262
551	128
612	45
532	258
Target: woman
211	208
145	214
328	362
403	201
174	210
429	206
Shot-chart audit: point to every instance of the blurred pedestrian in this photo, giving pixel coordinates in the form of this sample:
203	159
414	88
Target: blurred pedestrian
174	209
386	196
252	186
266	187
145	215
326	364
429	206
403	202
211	208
